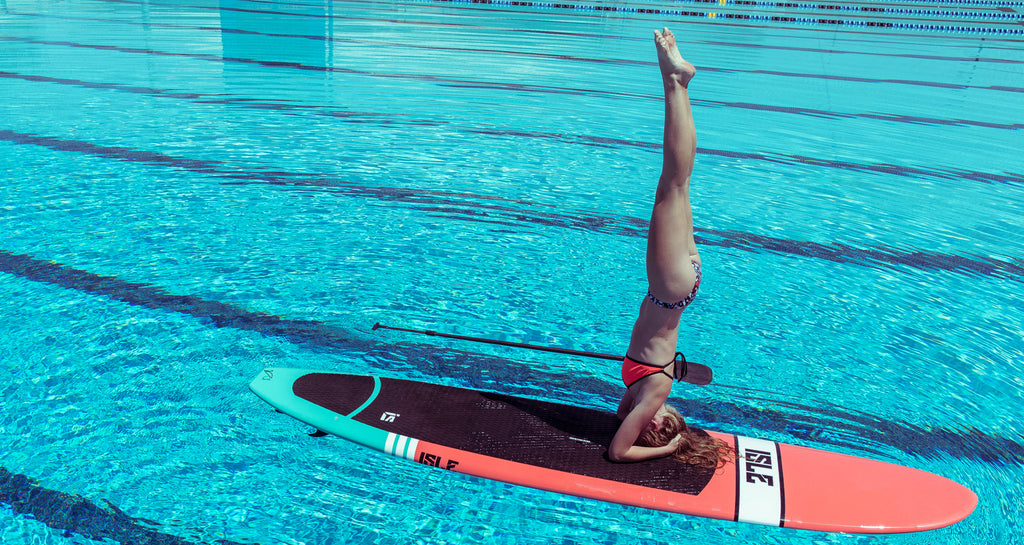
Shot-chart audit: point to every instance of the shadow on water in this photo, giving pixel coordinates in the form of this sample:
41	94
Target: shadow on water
826	426
493	210
74	515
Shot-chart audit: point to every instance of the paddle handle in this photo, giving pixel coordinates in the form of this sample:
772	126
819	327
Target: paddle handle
502	343
694	373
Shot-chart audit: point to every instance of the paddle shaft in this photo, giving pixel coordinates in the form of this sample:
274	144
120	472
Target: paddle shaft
502	343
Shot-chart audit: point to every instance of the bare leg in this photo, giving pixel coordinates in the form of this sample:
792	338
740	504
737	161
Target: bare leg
670	251
670	244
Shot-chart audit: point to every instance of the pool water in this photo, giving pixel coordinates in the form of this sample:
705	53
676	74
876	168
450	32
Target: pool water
193	191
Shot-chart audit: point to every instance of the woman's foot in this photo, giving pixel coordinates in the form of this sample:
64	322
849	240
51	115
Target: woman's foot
673	67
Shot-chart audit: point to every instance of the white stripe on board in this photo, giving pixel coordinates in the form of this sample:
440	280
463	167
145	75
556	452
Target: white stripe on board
410	451
760	482
400	446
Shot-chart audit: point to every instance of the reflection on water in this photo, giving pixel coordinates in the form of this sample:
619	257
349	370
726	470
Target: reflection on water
230	186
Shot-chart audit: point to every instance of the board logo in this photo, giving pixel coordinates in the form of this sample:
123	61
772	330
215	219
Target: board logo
268	374
759	472
436	461
759	464
388	417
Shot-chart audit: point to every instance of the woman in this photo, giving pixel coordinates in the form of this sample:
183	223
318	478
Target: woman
673	275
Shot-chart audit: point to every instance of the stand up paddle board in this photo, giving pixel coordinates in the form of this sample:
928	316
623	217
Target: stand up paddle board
562	448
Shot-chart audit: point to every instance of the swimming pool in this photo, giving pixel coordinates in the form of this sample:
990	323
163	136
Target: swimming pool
196	190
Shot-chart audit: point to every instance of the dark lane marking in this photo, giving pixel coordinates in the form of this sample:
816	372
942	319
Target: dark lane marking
336	39
877	255
438	80
152	297
861	7
489	209
894	54
758	16
477	83
896	118
214	98
75	515
212	167
832	426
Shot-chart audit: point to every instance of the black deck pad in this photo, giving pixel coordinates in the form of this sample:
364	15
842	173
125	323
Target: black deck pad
528	431
339	393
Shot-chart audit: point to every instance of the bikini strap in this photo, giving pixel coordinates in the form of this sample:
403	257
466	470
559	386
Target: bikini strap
679	371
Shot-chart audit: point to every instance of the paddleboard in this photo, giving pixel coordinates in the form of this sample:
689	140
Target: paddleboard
562	448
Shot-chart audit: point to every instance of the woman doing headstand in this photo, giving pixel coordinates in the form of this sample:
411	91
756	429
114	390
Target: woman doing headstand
649	428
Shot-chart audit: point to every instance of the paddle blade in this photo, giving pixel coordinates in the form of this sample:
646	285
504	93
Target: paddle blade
697	374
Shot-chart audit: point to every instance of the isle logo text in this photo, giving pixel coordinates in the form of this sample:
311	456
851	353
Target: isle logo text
759	467
436	461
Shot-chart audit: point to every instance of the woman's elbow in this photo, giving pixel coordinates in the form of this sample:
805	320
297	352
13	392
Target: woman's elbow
616	455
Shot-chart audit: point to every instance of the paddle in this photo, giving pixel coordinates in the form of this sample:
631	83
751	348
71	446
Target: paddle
694	373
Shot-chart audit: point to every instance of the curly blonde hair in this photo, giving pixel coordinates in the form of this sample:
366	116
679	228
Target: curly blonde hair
699	449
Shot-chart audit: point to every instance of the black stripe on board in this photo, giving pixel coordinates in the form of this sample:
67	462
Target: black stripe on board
739	475
782	486
74	515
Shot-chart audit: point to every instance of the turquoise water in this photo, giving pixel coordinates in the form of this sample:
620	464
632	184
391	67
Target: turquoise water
193	191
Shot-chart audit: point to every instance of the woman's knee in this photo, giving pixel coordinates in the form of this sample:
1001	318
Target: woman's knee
674	282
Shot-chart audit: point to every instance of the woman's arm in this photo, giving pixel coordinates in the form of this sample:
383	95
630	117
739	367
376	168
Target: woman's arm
622	447
637	453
